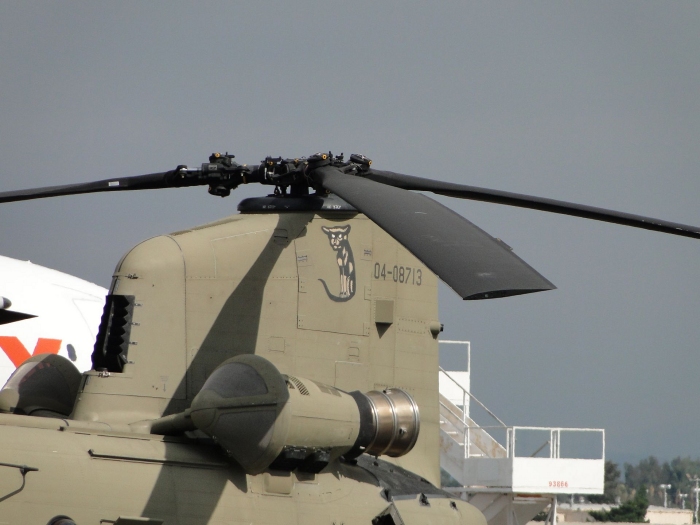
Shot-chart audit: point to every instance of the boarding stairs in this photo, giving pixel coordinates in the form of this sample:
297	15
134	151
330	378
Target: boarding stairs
511	484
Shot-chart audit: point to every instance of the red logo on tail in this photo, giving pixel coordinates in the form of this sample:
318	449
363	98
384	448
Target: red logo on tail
18	354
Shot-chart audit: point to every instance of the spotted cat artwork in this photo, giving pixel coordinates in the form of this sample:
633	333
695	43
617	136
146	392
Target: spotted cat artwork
338	238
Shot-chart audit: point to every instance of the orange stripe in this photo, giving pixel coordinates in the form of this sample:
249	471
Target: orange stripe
47	346
18	354
14	349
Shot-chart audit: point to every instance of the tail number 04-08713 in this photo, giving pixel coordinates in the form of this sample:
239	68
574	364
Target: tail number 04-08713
399	274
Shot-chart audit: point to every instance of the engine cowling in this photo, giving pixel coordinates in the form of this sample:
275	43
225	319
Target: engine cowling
44	385
263	418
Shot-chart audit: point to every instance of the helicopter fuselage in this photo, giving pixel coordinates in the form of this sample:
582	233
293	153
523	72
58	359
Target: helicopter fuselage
268	282
93	474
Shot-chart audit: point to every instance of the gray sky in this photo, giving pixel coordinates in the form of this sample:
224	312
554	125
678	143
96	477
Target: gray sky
592	102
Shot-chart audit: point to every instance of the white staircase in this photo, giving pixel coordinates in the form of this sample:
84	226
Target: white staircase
510	484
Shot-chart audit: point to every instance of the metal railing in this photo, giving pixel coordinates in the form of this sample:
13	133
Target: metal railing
468	395
554	443
464	426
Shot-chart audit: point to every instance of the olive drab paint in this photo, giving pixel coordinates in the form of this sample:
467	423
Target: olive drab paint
248	371
250	284
356	313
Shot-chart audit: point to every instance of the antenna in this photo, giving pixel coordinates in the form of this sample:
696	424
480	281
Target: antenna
665	487
696	490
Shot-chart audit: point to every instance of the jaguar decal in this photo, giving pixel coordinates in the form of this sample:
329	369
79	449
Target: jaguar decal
338	238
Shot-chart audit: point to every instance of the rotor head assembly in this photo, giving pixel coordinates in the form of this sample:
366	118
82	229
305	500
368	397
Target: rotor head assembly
469	260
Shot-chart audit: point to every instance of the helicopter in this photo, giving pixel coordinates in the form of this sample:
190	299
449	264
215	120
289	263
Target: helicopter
275	366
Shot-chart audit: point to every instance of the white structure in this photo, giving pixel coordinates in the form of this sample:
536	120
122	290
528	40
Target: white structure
666	516
457	385
513	478
578	513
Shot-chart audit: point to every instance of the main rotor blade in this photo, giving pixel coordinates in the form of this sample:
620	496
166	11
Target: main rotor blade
150	181
409	182
469	260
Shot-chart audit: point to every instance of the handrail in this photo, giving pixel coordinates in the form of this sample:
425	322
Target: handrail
561	429
472	396
471	434
464	425
455	414
554	442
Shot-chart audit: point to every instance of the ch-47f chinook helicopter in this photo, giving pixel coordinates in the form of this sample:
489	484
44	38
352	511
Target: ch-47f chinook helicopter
276	366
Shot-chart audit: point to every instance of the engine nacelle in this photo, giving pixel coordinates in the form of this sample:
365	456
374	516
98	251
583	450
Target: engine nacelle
265	419
44	385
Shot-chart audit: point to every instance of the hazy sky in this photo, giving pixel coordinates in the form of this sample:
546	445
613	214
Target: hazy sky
593	102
